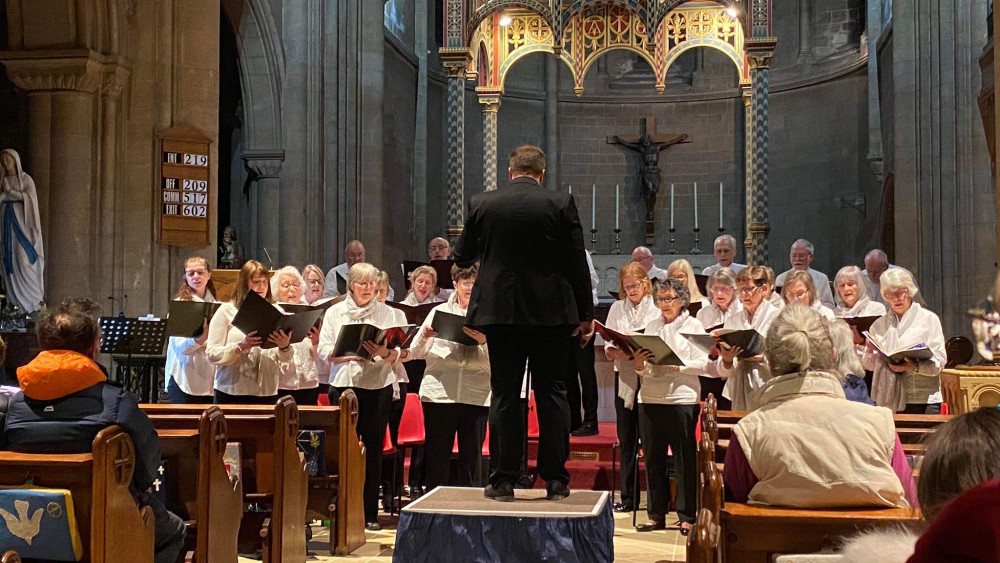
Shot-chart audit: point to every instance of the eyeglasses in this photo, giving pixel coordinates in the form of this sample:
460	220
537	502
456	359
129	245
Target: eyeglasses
722	290
191	273
467	284
364	284
316	281
748	290
286	285
666	300
438	247
631	287
799	295
898	294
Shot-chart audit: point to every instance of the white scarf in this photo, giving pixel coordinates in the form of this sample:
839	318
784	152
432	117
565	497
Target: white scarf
358	313
856	310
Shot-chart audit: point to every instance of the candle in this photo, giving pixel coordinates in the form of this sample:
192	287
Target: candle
571	189
720	206
696	205
593	208
616	206
671	206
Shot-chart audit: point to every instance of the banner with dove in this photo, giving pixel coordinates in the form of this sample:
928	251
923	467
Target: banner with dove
39	523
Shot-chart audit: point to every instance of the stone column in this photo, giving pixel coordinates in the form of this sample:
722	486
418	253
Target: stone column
552	65
747	171
805	28
456	61
760	62
265	224
873	32
490	100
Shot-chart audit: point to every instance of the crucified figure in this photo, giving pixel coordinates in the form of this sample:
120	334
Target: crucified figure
649	176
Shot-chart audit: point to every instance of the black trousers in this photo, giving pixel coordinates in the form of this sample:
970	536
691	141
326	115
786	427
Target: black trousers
227	399
715	385
628	434
394	463
415	373
441	422
303	397
921	408
545	347
662	426
179	397
581	384
373	416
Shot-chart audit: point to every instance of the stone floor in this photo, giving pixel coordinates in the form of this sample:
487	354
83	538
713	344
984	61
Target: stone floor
630	546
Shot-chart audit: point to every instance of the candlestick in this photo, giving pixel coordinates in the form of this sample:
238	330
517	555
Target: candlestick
720	206
618	242
593	208
696	249
593	240
671	206
696	206
672	250
616	206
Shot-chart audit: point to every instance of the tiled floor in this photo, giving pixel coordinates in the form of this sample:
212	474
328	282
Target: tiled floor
630	546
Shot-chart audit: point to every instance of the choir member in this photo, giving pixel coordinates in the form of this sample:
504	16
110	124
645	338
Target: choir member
644	256
245	373
909	387
438	249
746	375
806	446
877	262
725	252
851	295
399	392
423	287
190	376
724	306
682	271
772	294
371	380
315	284
801	256
631	313
455	391
799	288
299	378
668	408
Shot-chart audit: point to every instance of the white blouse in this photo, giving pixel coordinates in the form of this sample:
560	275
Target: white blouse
411	298
712	315
864	307
745	377
355	372
188	365
301	372
625	318
660	384
455	373
252	372
921	386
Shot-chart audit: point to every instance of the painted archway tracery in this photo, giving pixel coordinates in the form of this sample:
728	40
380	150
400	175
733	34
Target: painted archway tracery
598	28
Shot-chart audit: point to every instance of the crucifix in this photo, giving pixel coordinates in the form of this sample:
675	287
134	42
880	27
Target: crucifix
649	144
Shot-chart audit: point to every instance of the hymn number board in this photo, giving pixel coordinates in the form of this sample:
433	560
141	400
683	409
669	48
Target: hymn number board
185	187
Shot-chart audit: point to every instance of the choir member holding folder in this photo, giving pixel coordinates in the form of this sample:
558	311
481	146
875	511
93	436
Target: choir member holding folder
631	313
856	308
723	307
370	379
299	378
800	288
399	391
908	386
747	374
668	407
245	373
455	391
315	285
190	376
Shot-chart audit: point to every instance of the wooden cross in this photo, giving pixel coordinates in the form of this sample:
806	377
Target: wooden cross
647	125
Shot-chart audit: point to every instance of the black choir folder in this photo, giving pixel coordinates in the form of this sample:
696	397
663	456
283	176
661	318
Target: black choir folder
900	354
415	314
748	339
663	355
185	318
256	314
862	323
350	341
449	327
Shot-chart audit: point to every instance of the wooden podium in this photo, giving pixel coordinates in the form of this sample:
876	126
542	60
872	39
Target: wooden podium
967	388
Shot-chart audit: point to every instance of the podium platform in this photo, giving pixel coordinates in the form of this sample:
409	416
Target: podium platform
459	524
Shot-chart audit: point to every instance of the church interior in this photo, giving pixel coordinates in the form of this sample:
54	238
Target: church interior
282	130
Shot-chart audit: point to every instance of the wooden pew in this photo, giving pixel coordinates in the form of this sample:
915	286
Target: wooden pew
201	490
273	471
703	540
10	557
330	496
113	528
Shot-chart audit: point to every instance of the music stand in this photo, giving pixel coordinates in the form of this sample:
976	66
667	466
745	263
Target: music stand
128	336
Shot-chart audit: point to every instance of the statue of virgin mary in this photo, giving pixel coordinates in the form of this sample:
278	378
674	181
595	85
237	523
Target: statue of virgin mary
23	260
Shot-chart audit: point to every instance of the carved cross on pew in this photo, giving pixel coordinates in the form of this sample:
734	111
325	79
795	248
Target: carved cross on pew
649	144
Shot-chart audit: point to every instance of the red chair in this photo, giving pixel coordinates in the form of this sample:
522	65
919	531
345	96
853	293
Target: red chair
411	429
944	408
324	400
532	416
387	450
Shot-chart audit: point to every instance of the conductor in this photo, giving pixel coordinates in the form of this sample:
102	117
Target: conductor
528	304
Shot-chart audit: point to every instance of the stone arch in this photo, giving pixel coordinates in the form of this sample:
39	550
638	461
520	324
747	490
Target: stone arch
539	7
525	51
598	54
722	46
262	71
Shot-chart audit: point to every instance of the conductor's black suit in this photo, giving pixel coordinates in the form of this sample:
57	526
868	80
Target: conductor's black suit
533	289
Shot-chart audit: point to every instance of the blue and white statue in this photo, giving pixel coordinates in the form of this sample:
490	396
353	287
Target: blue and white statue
23	260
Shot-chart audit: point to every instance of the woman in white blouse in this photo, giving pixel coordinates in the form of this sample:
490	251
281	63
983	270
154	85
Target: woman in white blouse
724	307
245	372
682	271
910	387
423	287
668	408
399	391
190	376
299	378
800	288
371	380
315	283
631	313
455	391
745	375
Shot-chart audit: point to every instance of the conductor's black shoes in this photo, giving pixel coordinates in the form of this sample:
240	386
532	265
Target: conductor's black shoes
556	490
586	430
503	492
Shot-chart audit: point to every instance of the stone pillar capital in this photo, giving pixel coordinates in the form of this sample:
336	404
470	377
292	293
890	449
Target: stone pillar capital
80	70
489	98
760	51
265	162
455	61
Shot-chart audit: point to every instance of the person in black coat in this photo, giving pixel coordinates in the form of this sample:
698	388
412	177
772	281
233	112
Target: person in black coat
532	293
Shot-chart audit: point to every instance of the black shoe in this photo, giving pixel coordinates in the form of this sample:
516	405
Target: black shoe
416	492
389	505
586	430
556	490
651	526
503	492
373	526
622	507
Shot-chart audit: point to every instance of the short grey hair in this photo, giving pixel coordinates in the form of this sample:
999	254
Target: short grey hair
723	276
805	244
847	362
849	272
895	279
286	271
670	284
798	341
361	272
877	254
725	238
